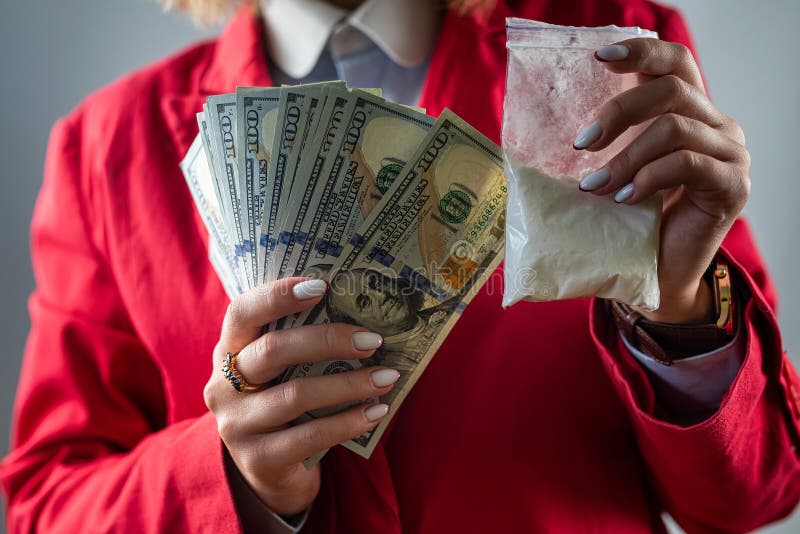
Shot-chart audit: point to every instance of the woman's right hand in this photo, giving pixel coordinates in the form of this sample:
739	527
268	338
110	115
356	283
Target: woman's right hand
255	426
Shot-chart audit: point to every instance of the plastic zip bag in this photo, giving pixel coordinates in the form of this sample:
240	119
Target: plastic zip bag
561	242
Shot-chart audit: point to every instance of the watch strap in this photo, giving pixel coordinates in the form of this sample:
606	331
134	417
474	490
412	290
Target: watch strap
667	342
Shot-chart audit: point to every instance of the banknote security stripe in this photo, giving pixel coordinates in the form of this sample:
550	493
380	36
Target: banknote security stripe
268	242
357	240
285	237
382	256
421	282
328	248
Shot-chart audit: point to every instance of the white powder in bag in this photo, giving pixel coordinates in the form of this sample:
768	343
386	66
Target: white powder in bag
568	243
562	242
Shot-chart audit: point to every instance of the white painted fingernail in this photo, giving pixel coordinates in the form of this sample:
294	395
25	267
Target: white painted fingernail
588	135
612	53
384	377
594	180
373	413
624	194
367	340
309	289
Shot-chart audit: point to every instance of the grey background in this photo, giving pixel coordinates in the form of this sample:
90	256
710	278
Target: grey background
54	53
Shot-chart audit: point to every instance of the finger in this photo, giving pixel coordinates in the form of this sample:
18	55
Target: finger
250	311
666	134
726	184
293	445
651	57
269	355
668	94
283	403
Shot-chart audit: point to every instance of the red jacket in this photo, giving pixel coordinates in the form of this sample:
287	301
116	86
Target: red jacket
533	419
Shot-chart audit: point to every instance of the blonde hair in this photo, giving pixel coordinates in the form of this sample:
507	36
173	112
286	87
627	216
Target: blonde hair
203	11
211	11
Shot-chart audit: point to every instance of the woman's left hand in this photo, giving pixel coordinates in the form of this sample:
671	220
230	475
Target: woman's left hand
691	151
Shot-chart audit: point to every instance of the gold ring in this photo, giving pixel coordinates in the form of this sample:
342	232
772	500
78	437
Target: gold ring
234	376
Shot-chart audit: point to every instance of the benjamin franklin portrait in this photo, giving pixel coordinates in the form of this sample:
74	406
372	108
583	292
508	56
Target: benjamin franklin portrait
388	305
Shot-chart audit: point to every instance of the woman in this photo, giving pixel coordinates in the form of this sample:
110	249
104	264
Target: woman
538	418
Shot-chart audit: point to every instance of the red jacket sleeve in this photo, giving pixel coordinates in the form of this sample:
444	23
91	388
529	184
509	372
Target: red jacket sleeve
90	451
739	468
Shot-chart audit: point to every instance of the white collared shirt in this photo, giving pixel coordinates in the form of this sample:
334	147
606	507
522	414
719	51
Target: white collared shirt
382	43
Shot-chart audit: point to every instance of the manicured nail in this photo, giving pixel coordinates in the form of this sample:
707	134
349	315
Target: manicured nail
624	194
612	53
384	377
309	289
589	135
366	340
594	180
373	413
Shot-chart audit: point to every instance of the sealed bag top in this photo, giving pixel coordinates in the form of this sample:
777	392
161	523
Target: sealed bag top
554	86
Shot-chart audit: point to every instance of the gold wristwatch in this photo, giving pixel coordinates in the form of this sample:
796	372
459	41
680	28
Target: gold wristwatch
723	299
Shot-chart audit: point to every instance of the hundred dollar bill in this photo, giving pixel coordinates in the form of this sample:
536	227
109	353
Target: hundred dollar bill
257	112
291	114
313	97
418	259
310	119
205	136
223	210
301	108
379	137
293	140
309	195
222	124
198	176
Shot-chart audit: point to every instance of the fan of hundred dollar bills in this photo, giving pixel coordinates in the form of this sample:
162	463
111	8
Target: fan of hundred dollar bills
401	213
